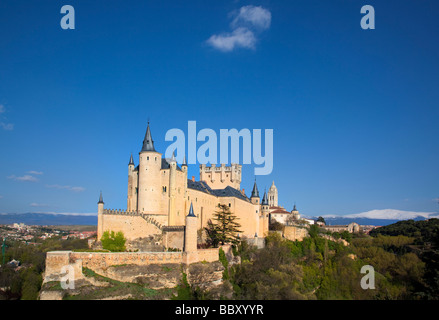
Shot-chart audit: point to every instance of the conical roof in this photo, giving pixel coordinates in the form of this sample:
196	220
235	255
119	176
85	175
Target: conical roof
148	143
255	192
101	200
264	199
191	211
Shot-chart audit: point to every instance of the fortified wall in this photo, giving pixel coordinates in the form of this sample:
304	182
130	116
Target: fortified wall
58	261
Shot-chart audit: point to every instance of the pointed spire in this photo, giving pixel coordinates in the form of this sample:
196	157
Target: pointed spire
191	211
101	200
294	209
255	192
173	156
131	160
184	161
264	199
148	143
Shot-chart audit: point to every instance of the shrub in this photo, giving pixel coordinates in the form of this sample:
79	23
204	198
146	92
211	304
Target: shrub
115	242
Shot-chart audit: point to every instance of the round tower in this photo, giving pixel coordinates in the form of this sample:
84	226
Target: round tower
100	217
172	190
150	163
295	213
184	168
265	212
190	234
255	195
131	187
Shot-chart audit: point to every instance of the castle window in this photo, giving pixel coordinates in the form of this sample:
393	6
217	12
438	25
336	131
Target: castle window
147	158
230	205
155	159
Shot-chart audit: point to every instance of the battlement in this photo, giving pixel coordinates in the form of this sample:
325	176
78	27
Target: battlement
223	167
150	218
222	176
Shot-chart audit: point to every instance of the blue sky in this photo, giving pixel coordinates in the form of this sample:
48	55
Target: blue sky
355	112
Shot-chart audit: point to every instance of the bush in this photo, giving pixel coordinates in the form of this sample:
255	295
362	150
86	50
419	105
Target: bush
115	242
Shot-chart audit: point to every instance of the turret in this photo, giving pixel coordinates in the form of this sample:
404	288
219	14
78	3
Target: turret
295	213
264	203
131	186
184	169
100	217
190	235
172	190
150	163
255	194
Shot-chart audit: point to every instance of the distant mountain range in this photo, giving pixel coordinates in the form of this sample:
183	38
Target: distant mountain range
373	217
43	219
378	217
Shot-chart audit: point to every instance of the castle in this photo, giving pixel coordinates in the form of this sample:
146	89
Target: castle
160	195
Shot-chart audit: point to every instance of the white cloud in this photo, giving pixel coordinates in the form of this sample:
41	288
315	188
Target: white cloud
26	177
35	172
7	126
246	24
252	16
68	213
74	189
240	37
38	205
392	214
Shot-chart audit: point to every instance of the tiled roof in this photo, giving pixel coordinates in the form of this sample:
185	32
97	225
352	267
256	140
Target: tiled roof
230	192
279	211
166	165
226	192
199	185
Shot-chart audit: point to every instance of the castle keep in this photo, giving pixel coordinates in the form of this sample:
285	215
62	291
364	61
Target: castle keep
160	194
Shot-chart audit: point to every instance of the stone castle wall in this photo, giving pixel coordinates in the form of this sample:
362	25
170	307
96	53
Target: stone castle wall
96	261
294	233
131	224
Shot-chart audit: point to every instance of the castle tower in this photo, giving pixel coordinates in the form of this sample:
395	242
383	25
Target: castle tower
184	169
131	194
265	211
255	194
221	177
272	196
172	190
190	234
100	217
295	213
265	208
150	162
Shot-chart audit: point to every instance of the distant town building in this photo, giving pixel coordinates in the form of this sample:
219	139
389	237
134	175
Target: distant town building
351	228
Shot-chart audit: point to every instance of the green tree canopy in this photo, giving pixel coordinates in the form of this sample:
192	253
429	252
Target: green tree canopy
224	229
115	242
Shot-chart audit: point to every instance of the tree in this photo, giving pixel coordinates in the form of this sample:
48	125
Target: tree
225	229
114	242
212	234
321	219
